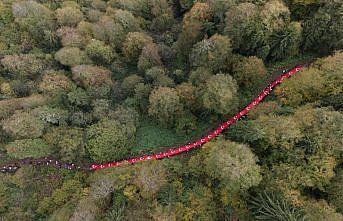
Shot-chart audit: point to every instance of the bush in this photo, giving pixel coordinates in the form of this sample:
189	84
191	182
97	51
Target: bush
69	16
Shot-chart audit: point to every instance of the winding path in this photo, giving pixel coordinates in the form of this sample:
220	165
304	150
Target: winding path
12	166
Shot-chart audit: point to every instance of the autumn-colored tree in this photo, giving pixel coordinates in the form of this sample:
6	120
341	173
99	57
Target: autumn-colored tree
24	65
134	43
149	57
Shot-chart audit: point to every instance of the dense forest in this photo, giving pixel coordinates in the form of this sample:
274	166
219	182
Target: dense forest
96	81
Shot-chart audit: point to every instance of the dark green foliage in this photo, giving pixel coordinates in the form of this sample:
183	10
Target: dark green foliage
271	207
92	81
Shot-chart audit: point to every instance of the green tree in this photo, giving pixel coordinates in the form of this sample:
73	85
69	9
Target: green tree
24	125
127	20
109	31
220	94
37	20
129	83
249	71
285	42
335	192
165	105
306	86
317	210
243	26
99	52
323	30
159	77
71	56
233	164
134	43
270	206
69	16
107	140
69	141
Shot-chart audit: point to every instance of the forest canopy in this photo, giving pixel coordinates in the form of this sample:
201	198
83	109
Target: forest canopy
102	80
